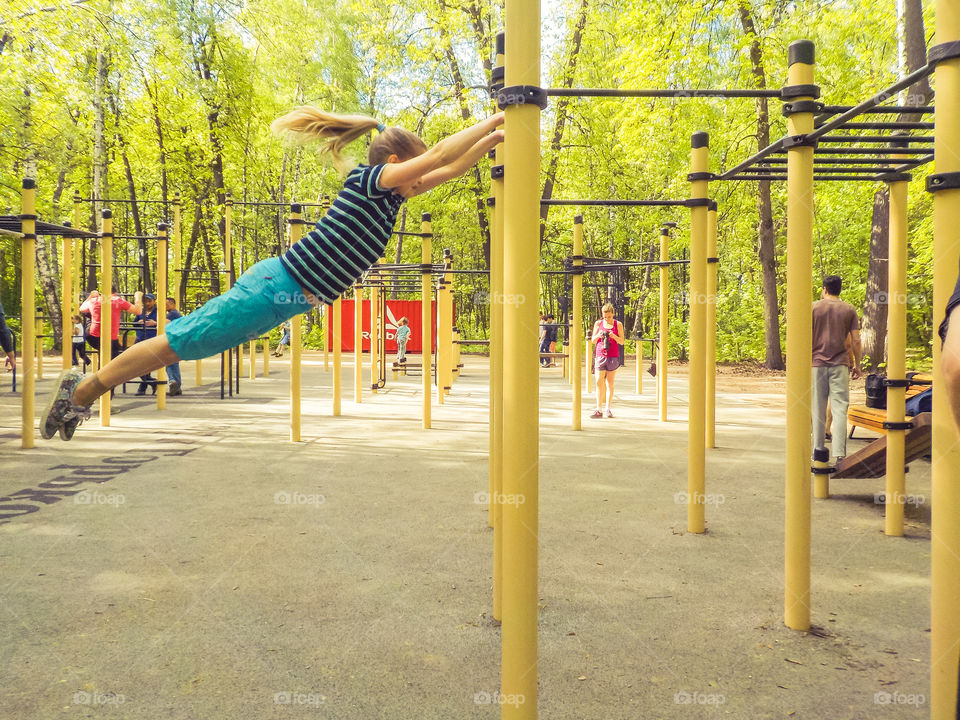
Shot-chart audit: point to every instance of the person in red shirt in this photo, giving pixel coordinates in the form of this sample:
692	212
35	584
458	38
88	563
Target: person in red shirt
92	306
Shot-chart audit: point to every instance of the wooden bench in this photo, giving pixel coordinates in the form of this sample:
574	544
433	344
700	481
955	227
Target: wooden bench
873	418
404	367
871	461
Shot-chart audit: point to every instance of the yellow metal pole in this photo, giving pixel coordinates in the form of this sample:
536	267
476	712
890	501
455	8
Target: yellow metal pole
426	318
576	335
177	255
588	363
66	303
358	342
945	530
28	268
253	359
106	304
296	347
443	331
696	424
663	348
896	487
80	289
266	358
337	355
448	325
162	230
521	434
327	309
38	332
821	473
374	331
711	329
639	363
495	480
799	346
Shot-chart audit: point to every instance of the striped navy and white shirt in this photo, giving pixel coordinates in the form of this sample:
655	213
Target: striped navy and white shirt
349	238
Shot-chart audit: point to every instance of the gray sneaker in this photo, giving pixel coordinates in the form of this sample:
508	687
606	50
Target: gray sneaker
61	415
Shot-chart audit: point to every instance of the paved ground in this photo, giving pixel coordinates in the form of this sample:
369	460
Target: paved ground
193	563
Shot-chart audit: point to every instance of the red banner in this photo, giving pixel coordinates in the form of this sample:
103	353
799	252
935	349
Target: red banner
412	310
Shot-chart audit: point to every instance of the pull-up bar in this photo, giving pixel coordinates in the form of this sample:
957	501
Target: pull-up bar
618	203
681	93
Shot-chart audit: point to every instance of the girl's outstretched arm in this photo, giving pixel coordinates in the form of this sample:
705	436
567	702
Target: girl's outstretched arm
448	150
459	166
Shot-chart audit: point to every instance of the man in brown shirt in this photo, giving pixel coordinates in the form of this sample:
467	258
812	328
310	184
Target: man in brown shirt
833	322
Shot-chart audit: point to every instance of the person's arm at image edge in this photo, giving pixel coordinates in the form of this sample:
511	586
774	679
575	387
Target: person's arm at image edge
950	362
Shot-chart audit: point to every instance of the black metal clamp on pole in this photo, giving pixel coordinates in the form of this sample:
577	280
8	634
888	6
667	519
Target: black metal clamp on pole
522	95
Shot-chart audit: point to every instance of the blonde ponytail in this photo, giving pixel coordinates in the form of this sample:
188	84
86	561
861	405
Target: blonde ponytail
306	123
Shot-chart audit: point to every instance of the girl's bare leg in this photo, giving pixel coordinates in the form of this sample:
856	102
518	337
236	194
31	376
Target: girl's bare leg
142	358
611	375
601	388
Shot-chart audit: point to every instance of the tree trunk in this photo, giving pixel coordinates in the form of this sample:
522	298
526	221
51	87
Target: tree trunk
477	185
49	276
874	331
767	248
549	177
99	189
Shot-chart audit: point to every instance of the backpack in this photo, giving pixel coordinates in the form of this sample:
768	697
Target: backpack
876	391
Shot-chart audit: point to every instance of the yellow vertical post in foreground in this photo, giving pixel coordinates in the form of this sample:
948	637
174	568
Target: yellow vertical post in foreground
337	355
106	305
576	335
253	359
495	481
896	356
945	535
799	347
28	249
521	433
696	454
664	330
162	230
426	317
66	302
710	439
296	347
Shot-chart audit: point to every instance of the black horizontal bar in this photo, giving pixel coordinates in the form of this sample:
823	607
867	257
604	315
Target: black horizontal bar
877	138
863	151
879	109
617	203
412	234
871	102
771	149
136	237
613	264
866	170
822	178
842	161
886	126
660	93
139	202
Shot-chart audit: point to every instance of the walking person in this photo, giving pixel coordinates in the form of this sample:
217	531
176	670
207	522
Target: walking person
174	381
607	337
835	324
544	340
403	334
347	240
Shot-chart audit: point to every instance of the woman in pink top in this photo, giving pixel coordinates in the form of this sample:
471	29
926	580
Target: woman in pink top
608	337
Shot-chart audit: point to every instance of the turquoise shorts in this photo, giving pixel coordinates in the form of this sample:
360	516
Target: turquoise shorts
264	296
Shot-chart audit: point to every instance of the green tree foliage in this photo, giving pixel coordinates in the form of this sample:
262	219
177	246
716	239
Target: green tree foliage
192	88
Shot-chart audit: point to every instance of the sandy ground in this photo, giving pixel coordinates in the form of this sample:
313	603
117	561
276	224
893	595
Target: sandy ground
193	563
